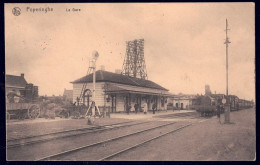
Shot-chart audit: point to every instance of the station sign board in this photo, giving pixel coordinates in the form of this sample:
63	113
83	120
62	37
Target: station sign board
224	101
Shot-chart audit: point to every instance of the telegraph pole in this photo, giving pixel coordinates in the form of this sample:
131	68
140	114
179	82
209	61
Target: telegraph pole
94	59
227	105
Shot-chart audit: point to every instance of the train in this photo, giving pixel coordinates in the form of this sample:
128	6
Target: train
206	105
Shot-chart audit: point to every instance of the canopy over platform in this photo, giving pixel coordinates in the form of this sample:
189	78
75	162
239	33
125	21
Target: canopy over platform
116	89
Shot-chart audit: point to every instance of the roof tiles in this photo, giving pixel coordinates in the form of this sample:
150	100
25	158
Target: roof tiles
15	81
105	76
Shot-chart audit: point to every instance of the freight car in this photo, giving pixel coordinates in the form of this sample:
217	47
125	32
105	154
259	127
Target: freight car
243	104
233	100
206	105
238	104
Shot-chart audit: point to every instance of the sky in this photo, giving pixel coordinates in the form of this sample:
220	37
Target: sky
184	43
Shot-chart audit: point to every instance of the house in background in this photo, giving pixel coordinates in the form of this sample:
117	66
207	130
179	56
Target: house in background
19	86
15	83
119	91
68	94
181	102
14	86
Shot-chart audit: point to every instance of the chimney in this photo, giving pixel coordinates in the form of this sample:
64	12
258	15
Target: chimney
22	75
102	67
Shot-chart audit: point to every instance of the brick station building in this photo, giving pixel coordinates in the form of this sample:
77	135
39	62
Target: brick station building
118	91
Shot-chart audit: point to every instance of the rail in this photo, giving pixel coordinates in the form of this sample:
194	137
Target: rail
98	143
55	135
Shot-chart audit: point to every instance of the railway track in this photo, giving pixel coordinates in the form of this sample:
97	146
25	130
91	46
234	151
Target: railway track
141	143
190	115
116	141
104	145
26	137
17	142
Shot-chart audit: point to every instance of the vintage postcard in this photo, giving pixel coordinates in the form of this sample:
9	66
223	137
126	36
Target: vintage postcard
130	81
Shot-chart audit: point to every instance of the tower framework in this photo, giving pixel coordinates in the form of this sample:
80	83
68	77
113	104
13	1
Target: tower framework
134	62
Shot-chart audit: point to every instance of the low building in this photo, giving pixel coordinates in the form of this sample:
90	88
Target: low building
15	83
68	95
119	91
14	86
17	89
181	102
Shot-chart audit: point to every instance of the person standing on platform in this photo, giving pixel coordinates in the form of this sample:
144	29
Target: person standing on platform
136	107
218	112
145	107
154	107
128	107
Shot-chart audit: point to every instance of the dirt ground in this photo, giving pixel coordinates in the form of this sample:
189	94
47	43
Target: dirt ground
205	141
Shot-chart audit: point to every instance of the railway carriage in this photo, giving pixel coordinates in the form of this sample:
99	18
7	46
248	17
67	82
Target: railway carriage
206	105
243	104
233	100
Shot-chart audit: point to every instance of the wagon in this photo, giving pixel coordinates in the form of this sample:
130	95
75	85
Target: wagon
22	110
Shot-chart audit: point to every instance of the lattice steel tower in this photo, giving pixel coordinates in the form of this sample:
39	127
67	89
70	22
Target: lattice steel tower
134	63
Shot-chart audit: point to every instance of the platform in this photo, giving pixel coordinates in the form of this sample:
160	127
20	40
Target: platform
149	115
20	128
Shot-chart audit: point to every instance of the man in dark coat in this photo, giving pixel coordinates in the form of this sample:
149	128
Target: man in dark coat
218	112
154	107
128	107
136	107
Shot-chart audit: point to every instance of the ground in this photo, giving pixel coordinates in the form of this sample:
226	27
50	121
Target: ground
207	140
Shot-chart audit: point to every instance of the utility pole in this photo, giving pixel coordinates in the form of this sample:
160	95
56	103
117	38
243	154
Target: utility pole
227	105
94	59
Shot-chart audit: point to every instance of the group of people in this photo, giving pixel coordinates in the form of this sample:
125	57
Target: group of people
144	108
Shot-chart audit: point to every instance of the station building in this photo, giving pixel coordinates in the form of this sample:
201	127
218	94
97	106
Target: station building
118	91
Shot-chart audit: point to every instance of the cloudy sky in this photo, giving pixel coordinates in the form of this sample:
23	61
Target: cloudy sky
184	43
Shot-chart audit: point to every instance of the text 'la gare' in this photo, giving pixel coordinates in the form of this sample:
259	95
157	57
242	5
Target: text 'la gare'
73	9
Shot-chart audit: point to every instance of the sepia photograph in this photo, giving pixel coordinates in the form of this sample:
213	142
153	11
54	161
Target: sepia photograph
130	81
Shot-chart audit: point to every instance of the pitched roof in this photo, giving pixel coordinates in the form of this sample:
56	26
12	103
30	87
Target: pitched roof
105	76
15	81
115	88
